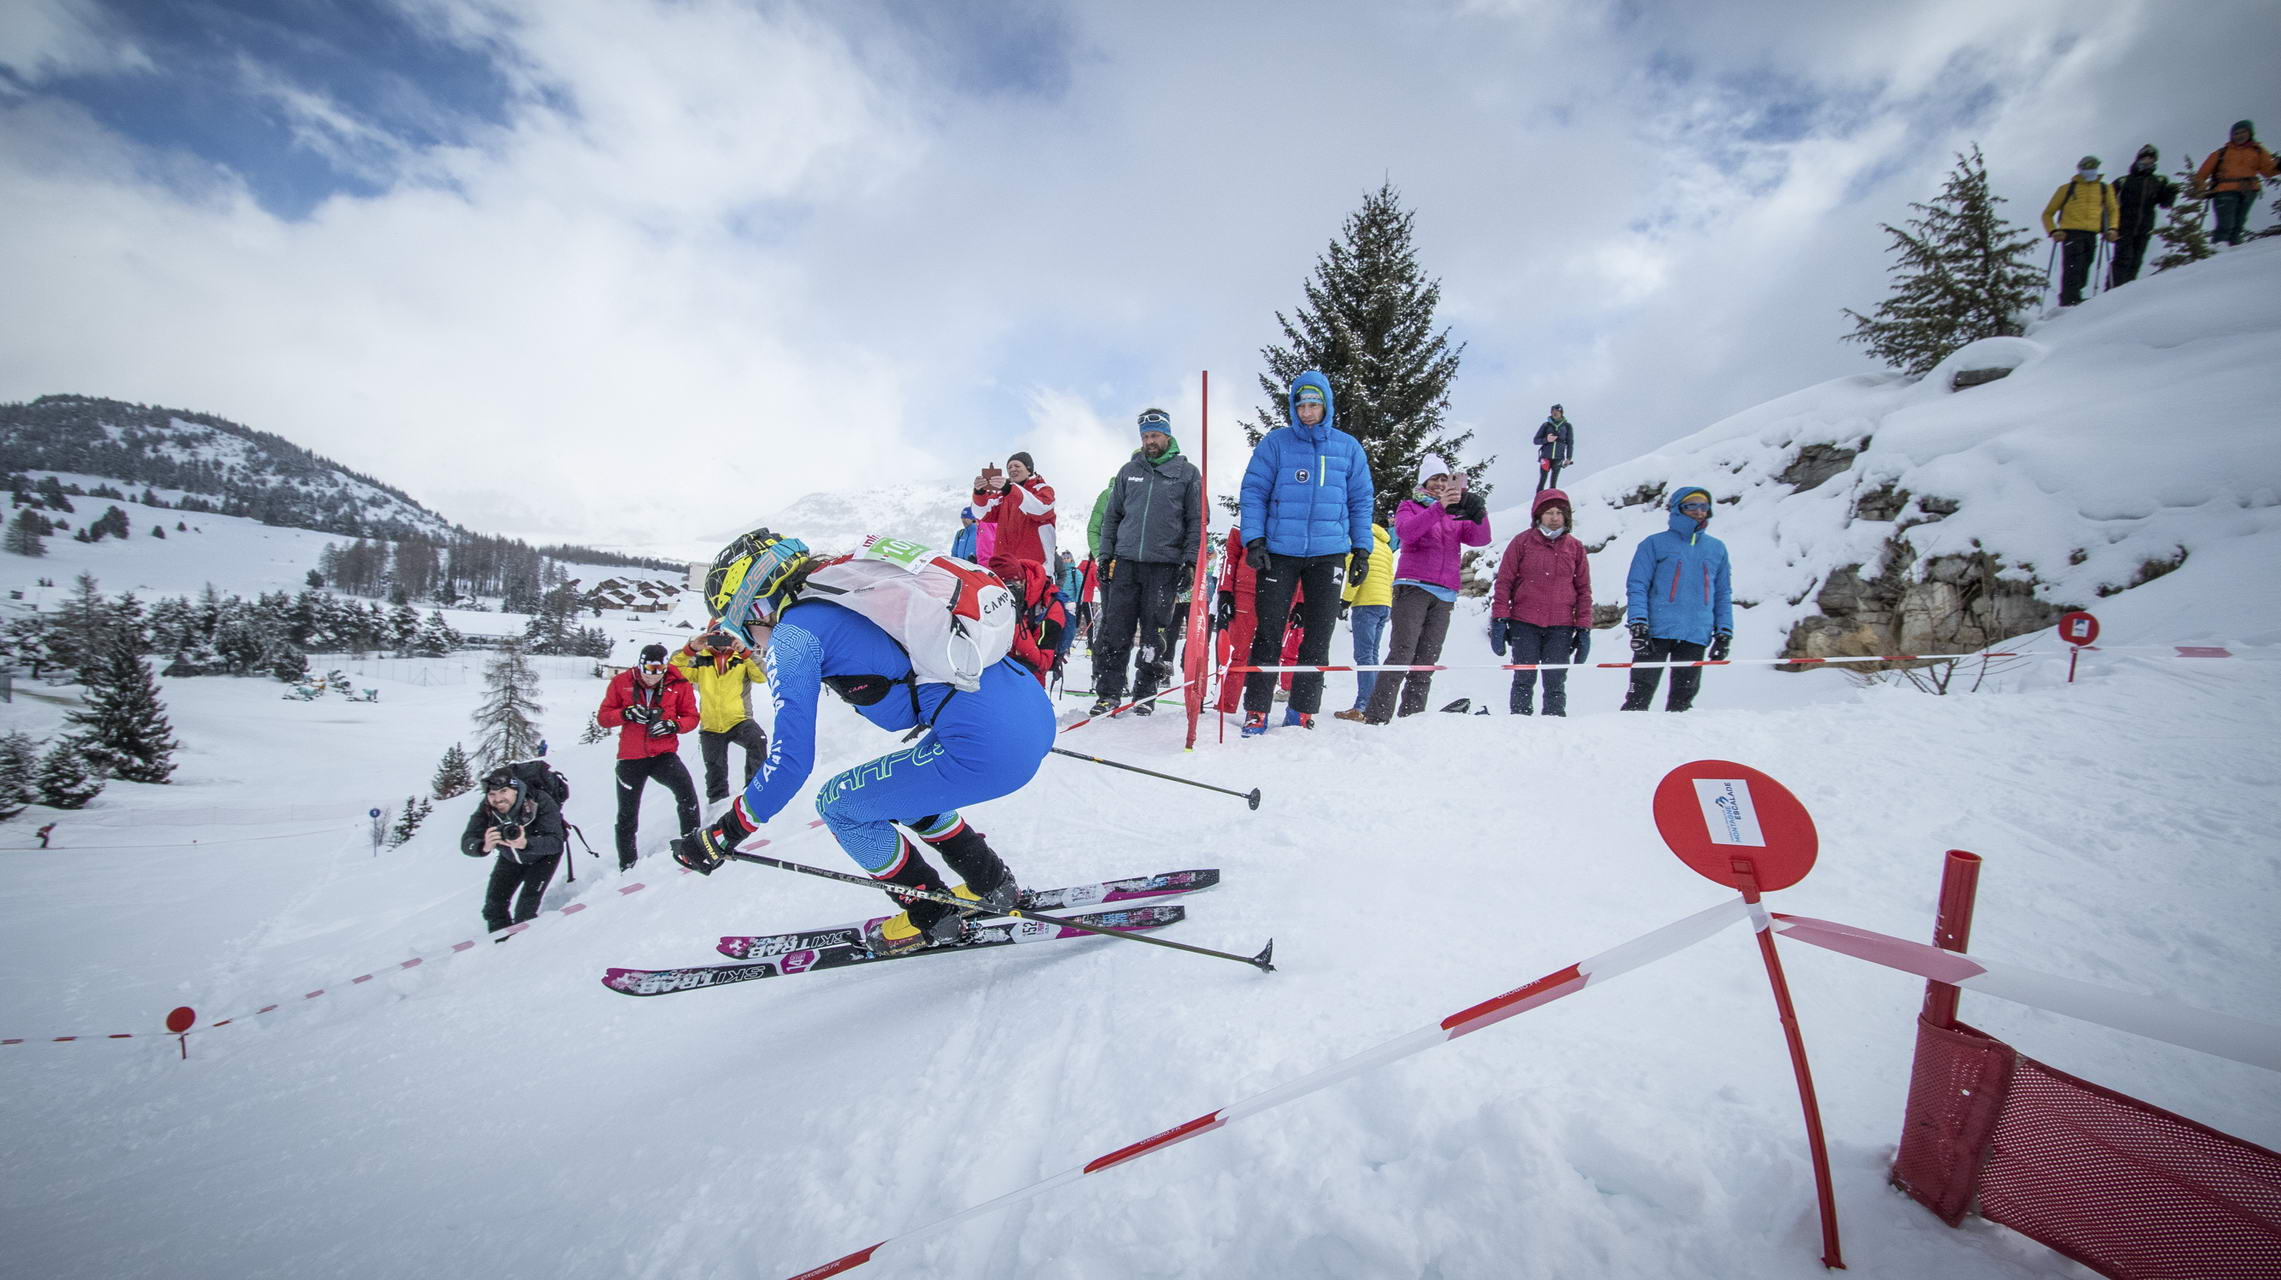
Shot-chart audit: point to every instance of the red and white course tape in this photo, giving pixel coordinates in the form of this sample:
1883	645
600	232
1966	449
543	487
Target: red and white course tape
2174	650
1645	949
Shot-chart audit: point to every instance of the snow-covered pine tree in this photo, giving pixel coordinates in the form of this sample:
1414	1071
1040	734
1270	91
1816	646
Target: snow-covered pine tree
2185	233
408	820
503	723
454	776
65	779
75	633
593	732
27	533
19	771
437	638
1368	324
1961	273
124	730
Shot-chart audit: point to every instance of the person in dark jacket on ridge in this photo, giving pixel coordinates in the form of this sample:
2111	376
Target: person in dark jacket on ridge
2139	195
1679	598
1556	448
650	705
523	826
1306	509
1149	534
1543	599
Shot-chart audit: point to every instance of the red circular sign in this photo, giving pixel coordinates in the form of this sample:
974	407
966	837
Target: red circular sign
1734	825
2078	627
181	1020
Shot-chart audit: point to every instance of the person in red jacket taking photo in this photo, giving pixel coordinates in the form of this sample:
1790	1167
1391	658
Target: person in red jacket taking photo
1019	503
1543	601
650	705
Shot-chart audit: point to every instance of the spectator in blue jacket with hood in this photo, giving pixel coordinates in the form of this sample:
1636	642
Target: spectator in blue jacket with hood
1679	601
962	543
1308	495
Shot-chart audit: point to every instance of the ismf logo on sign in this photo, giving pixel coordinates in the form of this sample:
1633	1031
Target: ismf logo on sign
1728	814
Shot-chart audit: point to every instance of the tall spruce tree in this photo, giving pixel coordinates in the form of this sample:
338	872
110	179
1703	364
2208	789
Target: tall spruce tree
27	533
65	779
503	723
1368	324
19	770
1961	273
123	726
2185	233
453	775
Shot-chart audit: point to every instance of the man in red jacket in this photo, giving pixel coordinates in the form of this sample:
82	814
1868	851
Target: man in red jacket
1020	503
650	705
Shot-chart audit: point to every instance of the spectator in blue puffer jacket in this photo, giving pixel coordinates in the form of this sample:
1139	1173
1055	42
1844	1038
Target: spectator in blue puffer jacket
1680	602
1308	495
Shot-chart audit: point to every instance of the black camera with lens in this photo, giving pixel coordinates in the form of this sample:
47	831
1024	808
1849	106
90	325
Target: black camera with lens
510	831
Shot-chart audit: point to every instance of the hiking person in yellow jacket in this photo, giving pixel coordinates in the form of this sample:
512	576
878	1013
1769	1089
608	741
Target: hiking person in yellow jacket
2080	214
723	673
1367	603
2230	178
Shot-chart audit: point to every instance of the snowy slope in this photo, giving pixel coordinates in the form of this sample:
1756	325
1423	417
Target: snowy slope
2134	427
496	1111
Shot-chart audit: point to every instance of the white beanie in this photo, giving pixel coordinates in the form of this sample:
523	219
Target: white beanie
1434	465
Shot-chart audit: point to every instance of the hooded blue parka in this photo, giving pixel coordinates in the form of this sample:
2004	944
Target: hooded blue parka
1680	584
1308	489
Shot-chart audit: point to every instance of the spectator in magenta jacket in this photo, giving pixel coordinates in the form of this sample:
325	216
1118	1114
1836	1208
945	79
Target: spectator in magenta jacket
1542	602
1434	527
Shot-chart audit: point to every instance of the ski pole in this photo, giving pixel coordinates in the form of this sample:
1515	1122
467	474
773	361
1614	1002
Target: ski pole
1264	961
1251	797
1154	697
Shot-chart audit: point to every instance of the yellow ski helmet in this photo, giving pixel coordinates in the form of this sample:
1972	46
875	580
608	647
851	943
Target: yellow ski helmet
753	580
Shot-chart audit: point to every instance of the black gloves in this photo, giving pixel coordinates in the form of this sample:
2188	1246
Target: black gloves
1472	507
1109	569
1358	565
1255	553
659	728
1583	645
705	849
1497	636
1639	637
1224	612
638	714
1345	607
1187	571
1720	643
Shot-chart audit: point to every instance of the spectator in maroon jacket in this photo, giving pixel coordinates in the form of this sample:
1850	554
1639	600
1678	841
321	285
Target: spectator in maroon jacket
650	705
1543	601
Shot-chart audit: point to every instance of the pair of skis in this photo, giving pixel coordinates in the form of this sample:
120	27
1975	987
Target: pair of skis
780	955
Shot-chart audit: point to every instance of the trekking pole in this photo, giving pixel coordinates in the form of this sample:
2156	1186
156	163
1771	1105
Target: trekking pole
1264	961
2050	264
1250	797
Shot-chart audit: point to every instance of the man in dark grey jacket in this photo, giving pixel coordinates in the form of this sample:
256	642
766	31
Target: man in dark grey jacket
1149	535
523	826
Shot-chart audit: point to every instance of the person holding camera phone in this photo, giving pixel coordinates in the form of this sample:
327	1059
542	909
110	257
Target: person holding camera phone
524	827
650	705
723	673
1016	508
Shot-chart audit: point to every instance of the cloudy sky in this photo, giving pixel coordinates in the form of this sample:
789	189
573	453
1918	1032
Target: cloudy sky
628	271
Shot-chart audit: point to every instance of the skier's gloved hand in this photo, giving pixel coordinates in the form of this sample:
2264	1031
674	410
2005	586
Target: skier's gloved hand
1497	636
1720	643
1255	554
1358	565
639	714
662	728
1108	569
709	847
1225	611
1639	637
1345	607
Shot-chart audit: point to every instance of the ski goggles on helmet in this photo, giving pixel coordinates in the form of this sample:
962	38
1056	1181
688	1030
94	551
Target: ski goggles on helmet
752	580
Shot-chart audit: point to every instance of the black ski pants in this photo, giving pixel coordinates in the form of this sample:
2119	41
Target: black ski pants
1318	578
1141	597
1529	642
714	747
2130	252
632	774
1420	623
1548	477
1684	680
2075	265
524	882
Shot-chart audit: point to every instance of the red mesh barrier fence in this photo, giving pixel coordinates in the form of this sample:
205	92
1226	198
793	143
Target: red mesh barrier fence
2121	1186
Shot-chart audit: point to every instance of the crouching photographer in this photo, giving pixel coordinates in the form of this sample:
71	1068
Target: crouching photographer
523	825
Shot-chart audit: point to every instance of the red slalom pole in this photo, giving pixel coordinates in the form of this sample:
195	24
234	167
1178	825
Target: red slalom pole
1746	872
1952	929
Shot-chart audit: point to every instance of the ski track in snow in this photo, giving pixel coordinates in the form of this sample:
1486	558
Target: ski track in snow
498	1112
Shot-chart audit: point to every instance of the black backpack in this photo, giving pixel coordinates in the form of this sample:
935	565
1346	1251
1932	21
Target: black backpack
538	775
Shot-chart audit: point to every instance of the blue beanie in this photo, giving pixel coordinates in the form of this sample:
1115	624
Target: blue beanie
1155	420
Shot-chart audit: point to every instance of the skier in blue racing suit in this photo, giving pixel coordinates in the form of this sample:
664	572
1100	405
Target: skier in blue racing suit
974	746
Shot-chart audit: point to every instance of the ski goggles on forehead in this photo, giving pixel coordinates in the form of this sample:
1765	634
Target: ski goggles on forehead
1156	418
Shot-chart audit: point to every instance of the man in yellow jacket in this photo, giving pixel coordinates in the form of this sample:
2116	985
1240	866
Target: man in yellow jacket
2080	214
1368	602
724	673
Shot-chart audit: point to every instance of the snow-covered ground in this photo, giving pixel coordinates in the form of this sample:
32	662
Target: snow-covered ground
498	1112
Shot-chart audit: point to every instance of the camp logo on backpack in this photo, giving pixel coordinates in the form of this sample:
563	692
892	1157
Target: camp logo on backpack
953	617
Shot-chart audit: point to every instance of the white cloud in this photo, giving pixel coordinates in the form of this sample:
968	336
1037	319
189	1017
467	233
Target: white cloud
715	256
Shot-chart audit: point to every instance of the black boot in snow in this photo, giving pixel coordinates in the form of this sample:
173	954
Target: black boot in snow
1523	702
988	881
